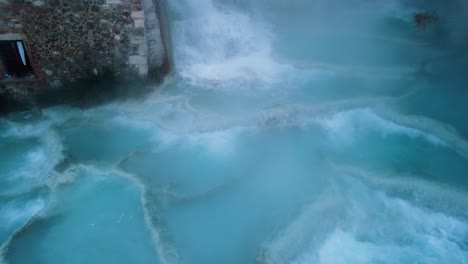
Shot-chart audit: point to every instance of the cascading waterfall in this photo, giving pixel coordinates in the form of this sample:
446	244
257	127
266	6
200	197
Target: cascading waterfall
291	131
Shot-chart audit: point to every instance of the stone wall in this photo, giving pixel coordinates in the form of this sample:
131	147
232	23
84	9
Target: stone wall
70	40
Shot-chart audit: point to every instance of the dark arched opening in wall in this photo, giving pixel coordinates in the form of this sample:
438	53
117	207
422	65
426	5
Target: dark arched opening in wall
14	61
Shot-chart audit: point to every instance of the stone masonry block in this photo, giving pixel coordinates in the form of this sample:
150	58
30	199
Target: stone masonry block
139	23
138	14
143	70
137	40
137	60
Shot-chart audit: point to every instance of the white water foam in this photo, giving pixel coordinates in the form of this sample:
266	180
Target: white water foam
343	248
166	132
308	228
218	44
369	227
11	214
26	130
428	238
37	165
444	132
348	124
344	120
429	194
219	143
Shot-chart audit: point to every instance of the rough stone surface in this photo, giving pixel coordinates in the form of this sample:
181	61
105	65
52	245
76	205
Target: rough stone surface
69	40
155	38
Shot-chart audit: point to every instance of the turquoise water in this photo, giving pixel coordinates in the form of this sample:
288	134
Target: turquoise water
290	131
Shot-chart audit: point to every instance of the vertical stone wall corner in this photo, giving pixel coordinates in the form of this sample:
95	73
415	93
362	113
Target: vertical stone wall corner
157	38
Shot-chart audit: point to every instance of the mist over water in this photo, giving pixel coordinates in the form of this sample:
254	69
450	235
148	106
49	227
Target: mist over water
290	131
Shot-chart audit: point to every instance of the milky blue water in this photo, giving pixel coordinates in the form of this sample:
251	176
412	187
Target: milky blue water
290	131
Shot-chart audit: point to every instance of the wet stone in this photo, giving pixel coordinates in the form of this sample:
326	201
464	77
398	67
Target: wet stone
53	2
38	3
95	8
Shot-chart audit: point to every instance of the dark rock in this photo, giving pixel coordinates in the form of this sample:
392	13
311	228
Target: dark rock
95	8
17	2
422	20
53	2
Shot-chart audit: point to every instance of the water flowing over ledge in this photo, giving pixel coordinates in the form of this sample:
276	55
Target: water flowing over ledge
289	132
